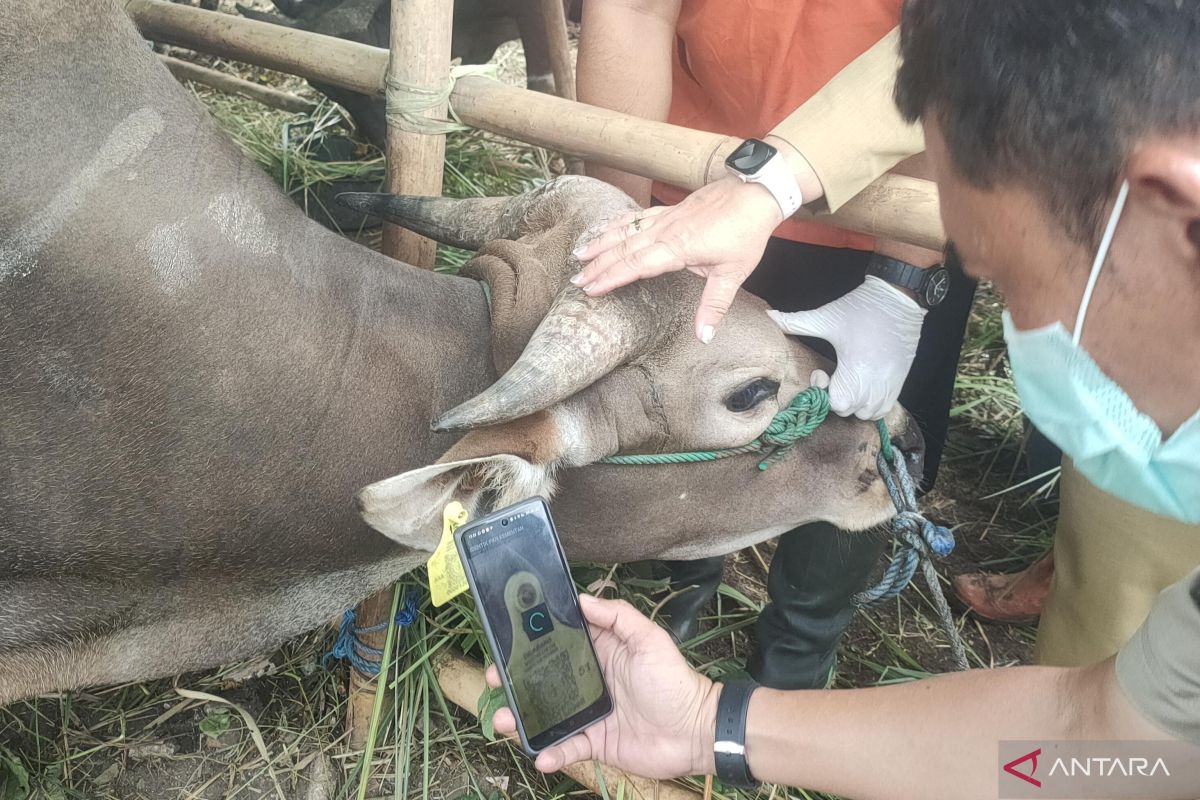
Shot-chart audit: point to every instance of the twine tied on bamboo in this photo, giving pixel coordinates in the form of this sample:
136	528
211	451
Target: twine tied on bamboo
406	103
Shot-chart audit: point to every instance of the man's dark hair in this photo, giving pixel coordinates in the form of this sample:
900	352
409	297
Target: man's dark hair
1051	94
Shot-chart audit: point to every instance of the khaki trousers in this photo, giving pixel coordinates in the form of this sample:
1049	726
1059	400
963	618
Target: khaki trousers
1111	560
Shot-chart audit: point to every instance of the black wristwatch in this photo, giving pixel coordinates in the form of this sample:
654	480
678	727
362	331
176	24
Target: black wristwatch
929	285
729	746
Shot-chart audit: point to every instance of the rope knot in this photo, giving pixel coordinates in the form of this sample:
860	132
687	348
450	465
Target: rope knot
923	535
350	647
940	539
343	646
406	103
917	536
802	416
408	614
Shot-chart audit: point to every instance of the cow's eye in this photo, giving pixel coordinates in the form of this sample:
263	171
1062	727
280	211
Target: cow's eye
750	395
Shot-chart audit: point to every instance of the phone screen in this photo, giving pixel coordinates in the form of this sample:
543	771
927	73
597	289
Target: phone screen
530	607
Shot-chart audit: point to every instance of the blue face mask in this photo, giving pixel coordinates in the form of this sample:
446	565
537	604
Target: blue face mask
1091	418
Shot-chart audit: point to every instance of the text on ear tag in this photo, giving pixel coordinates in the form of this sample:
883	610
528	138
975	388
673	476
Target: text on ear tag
446	577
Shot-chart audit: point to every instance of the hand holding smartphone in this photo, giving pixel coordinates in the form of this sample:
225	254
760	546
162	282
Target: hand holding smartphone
529	608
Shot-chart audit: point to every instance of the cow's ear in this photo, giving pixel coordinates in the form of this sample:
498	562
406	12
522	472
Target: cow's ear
407	508
488	468
523	287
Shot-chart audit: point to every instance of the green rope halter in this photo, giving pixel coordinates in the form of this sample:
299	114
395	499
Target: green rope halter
917	537
802	416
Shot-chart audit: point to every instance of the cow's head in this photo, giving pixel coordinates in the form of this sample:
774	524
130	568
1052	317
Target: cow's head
584	378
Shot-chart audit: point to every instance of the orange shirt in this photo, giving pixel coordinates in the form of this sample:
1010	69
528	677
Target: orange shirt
741	66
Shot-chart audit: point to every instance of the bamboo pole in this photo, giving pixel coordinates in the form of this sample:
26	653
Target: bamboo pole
461	680
558	45
554	23
296	52
268	96
420	57
894	207
420	45
360	703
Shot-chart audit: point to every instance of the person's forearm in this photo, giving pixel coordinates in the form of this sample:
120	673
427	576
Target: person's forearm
914	167
625	64
850	132
908	253
934	738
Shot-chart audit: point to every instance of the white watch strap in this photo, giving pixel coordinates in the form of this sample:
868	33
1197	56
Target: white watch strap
777	179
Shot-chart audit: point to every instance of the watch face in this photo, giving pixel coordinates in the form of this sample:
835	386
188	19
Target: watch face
936	287
750	156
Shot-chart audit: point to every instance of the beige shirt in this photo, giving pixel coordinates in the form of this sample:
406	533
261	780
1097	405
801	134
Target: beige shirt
1159	668
851	131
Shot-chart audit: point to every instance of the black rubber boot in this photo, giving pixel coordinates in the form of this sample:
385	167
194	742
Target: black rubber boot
814	573
1041	454
696	582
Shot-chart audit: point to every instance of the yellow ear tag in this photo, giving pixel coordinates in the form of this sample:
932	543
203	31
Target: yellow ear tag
446	577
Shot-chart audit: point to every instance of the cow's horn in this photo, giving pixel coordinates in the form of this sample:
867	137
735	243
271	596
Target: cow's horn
579	341
467	223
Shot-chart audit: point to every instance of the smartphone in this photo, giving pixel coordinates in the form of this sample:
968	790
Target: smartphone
530	613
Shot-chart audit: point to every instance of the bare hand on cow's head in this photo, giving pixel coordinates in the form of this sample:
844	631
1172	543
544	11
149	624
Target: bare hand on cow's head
719	232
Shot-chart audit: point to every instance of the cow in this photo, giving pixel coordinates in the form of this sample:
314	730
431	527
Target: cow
480	26
207	397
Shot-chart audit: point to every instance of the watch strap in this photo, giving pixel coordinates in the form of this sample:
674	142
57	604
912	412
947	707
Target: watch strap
729	746
774	175
896	272
777	179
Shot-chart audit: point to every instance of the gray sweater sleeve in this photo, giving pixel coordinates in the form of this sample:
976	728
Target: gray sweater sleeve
1159	668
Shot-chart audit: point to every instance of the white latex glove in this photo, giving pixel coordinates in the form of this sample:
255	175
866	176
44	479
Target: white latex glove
874	330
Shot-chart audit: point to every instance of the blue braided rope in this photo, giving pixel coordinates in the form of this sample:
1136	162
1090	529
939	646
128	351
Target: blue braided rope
349	647
918	537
